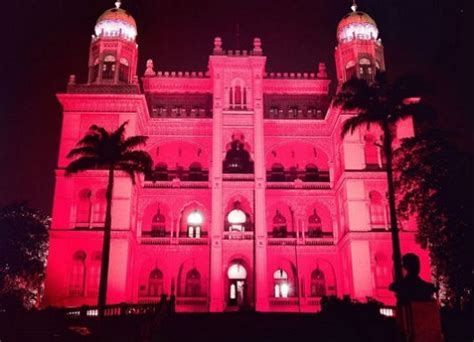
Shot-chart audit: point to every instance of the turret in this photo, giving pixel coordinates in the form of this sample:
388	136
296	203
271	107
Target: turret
113	50
359	52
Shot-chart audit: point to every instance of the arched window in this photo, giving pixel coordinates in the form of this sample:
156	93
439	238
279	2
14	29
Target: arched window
78	274
277	173
83	212
281	286
279	225
124	70
195	172
365	69
237	159
193	284
318	283
377	209
194	221
108	69
236	219
350	70
158	224
312	173
94	274
155	283
315	226
238	95
100	205
371	152
382	272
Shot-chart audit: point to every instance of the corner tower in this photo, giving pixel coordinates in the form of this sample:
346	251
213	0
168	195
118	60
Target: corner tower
359	52
113	51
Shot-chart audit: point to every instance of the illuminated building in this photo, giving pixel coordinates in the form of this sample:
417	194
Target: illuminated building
254	200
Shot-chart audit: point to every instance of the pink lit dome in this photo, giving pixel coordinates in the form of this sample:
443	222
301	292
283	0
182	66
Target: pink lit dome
116	22
357	25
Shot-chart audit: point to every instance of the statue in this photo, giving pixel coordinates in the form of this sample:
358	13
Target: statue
149	68
412	288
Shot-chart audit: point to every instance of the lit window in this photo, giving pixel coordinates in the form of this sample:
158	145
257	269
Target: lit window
281	286
195	220
236	219
237	271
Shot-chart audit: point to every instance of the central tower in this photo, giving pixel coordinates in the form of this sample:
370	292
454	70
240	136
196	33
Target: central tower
238	154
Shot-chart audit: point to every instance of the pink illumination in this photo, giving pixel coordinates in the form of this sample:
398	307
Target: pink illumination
298	214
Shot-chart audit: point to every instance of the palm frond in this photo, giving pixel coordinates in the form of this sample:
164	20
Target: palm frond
104	134
82	164
89	151
128	169
119	133
90	139
138	157
133	142
363	118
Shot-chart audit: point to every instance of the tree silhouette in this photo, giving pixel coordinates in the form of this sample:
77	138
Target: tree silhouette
111	151
382	103
23	249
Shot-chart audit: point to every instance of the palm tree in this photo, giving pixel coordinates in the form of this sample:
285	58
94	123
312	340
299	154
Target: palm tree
384	104
111	151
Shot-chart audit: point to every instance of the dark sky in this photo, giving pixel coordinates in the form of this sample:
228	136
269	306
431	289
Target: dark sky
45	41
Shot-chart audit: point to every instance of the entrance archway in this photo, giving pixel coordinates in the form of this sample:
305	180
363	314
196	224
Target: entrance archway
237	275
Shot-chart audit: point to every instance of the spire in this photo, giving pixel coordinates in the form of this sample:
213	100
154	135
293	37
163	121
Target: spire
354	6
118	3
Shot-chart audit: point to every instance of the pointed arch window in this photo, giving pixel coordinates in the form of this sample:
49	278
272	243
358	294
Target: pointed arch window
78	274
318	283
237	220
83	212
94	274
238	95
315	226
365	69
193	284
108	68
279	225
158	224
100	205
281	285
376	209
155	283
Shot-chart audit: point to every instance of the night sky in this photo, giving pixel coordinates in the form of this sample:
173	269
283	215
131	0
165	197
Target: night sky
45	41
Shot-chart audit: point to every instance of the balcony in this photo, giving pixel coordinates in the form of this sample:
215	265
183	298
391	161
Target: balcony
238	177
162	174
175	184
312	175
284	302
238	236
282	241
149	240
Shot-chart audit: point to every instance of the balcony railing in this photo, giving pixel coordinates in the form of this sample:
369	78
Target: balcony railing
239	177
282	241
238	235
149	240
192	175
283	301
322	241
314	176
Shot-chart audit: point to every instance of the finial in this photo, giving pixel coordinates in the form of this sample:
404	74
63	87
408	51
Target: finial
218	46
118	3
149	68
354	6
257	46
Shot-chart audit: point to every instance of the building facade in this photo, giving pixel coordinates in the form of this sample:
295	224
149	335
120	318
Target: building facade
255	199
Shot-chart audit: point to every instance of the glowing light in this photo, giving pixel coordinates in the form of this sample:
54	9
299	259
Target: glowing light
195	218
109	27
389	312
237	271
236	216
284	290
364	31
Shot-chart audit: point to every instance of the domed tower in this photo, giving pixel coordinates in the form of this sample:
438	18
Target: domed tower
113	50
359	52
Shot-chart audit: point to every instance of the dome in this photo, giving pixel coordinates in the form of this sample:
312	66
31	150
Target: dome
357	25
116	22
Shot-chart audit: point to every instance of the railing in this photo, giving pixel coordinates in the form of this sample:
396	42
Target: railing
194	301
295	114
160	175
103	88
238	235
280	175
238	177
299	184
112	310
322	241
176	183
313	301
192	241
150	240
282	241
284	301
